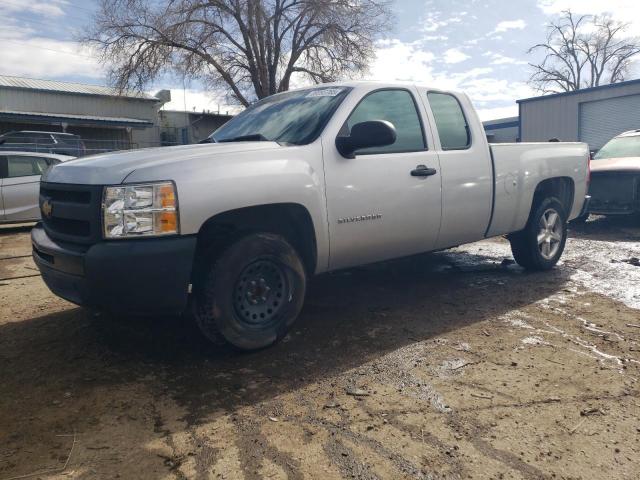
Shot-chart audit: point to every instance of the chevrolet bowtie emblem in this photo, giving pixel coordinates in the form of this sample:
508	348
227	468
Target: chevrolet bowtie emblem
47	208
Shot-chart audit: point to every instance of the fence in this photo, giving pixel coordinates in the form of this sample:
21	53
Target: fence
78	145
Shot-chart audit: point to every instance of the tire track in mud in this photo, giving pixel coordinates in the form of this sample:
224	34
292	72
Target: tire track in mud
565	401
342	429
206	458
174	461
474	435
346	460
395	372
254	447
403	465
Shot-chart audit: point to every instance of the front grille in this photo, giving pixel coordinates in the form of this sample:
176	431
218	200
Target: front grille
75	212
614	192
78	228
67	195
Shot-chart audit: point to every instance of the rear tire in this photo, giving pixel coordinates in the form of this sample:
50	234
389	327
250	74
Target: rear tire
253	293
540	245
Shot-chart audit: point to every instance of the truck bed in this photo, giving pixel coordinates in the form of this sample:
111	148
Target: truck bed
518	168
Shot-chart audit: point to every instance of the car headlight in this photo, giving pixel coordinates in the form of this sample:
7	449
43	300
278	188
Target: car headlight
148	210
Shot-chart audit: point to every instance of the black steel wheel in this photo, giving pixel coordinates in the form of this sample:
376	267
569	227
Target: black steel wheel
260	293
253	293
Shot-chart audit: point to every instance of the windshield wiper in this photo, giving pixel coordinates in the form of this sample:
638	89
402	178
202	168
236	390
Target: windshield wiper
254	137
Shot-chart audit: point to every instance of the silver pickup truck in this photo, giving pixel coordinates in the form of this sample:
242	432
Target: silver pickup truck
300	183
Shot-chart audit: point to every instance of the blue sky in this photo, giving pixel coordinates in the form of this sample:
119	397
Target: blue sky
478	46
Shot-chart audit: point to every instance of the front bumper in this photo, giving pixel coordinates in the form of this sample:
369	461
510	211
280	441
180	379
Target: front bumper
139	276
614	193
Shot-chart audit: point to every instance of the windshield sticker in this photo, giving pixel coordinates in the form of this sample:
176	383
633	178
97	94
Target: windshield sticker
324	92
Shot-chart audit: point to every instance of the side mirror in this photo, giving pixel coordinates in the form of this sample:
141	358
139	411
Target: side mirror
374	133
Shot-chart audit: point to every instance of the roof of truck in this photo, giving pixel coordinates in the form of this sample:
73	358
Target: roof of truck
375	83
630	133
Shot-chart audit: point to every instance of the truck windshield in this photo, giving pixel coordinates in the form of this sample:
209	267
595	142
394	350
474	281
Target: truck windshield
620	147
294	118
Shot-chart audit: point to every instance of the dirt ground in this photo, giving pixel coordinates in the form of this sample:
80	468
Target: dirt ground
450	365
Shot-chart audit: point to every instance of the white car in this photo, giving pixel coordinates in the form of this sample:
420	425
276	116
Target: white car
20	174
300	183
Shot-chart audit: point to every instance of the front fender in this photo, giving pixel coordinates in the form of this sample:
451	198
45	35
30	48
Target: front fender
207	187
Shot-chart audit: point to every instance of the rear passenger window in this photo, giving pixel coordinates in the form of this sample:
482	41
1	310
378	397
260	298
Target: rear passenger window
397	107
22	167
452	125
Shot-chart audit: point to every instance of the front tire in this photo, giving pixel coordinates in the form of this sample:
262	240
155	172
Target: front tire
252	294
540	245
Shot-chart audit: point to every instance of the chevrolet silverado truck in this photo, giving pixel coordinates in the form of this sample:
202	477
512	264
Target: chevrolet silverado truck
300	183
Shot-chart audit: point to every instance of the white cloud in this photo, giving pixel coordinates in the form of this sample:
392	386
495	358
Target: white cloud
507	25
29	56
399	61
487	90
589	6
499	59
621	10
192	100
432	38
50	8
396	60
497	112
453	55
432	22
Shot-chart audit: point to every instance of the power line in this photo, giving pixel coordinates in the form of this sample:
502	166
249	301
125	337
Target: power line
74	5
36	47
20	8
22	20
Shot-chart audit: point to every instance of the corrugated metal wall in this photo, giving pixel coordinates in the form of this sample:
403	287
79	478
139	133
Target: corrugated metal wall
50	102
602	120
80	104
559	116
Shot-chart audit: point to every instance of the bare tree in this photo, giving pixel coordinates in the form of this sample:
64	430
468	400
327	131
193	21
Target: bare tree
582	52
250	48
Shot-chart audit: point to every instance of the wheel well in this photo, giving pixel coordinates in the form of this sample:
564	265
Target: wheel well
561	187
290	220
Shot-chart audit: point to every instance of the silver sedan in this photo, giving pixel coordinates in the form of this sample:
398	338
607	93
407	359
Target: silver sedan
20	184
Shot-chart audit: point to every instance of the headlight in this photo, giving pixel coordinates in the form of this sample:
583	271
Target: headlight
148	210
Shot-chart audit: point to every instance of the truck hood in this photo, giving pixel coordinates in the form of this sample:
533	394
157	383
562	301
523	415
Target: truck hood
627	164
112	168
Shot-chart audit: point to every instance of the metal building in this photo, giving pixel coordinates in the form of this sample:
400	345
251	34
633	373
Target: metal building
104	119
502	130
182	128
592	115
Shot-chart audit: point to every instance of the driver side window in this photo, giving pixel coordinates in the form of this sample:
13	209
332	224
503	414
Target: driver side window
398	107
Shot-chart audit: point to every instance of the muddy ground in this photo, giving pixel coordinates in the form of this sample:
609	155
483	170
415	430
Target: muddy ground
450	365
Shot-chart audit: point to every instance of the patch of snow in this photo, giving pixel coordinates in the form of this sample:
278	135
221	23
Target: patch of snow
535	341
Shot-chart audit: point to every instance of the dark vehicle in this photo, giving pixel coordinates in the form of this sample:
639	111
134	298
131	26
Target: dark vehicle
615	176
49	142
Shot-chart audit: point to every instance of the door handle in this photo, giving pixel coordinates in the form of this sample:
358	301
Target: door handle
423	171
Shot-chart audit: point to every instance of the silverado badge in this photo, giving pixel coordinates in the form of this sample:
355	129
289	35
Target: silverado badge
360	218
47	208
